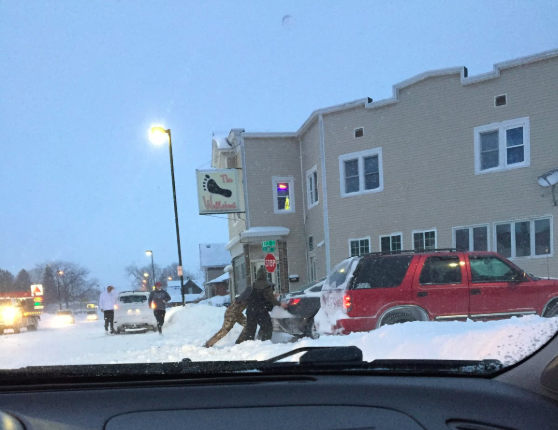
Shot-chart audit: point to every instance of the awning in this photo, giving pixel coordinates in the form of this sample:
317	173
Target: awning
258	234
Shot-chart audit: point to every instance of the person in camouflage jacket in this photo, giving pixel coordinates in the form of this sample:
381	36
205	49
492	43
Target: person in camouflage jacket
234	314
260	303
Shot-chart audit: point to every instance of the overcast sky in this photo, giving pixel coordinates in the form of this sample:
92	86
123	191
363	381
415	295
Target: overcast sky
81	82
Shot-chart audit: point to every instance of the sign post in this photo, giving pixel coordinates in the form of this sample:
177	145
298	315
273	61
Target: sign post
270	263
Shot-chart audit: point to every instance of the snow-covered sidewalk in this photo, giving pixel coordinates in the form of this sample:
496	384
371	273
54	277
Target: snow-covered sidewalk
188	328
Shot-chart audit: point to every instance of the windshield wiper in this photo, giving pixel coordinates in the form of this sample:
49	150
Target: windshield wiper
314	361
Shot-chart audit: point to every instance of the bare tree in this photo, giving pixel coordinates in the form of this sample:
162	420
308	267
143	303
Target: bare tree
162	275
72	281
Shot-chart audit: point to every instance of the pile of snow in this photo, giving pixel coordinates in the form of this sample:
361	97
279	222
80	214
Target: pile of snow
216	301
188	328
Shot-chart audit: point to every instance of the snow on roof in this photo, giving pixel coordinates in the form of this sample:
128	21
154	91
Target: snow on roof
219	279
265	231
222	142
214	255
176	284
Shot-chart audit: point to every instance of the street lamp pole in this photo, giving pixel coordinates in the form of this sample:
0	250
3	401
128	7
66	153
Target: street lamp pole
58	274
152	266
159	130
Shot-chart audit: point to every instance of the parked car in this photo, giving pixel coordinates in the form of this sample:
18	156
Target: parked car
92	315
303	305
364	293
133	312
65	316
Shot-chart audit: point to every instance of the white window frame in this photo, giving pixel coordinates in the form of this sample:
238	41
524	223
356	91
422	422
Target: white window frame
531	220
290	181
426	230
359	239
471	227
360	157
397	233
501	127
310	193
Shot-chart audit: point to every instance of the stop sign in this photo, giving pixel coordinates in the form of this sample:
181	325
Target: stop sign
270	263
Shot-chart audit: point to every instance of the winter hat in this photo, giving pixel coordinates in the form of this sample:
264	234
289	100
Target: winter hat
158	284
261	274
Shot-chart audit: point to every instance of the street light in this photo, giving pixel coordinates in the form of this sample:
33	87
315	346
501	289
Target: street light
170	278
59	273
158	135
152	265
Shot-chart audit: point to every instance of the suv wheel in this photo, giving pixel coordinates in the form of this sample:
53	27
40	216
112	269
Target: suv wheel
398	318
552	310
311	331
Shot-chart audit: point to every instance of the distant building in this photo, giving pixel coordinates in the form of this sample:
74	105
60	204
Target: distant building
213	260
218	286
192	292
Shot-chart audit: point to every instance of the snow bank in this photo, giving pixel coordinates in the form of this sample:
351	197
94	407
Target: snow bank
216	301
188	328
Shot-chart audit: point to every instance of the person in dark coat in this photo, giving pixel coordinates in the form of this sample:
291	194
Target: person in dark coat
234	314
158	299
261	301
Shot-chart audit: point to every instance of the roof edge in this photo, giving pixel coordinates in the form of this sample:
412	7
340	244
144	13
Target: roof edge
369	103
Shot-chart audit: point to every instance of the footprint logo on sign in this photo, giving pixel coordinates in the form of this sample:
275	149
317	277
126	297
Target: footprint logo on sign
211	186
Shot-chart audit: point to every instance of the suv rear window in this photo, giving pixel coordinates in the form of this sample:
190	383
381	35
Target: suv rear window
440	271
137	298
382	272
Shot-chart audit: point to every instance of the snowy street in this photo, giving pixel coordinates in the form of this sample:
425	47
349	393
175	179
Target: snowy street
187	329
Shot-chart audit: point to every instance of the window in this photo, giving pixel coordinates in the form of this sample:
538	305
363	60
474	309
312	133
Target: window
283	195
359	132
136	298
473	238
485	268
361	172
525	238
391	243
424	240
500	100
313	273
312	187
358	247
382	272
310	243
441	271
502	145
338	275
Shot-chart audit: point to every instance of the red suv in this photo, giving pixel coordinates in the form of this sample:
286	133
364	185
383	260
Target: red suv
364	293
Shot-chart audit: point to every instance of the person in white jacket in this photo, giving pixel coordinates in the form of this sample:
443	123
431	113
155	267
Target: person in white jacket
107	302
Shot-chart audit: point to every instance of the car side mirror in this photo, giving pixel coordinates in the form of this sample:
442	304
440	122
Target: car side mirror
519	277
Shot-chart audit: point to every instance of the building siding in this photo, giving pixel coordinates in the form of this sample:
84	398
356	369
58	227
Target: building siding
427	140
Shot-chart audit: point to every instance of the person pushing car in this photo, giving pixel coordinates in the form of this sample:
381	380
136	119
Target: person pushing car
158	300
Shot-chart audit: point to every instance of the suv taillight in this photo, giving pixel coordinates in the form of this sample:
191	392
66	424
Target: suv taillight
293	302
347	304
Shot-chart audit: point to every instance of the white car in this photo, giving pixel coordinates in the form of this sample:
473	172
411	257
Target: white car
132	312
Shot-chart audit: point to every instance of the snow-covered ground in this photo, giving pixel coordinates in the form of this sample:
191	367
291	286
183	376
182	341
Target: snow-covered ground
187	329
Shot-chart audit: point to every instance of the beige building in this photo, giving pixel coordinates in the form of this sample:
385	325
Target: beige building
450	161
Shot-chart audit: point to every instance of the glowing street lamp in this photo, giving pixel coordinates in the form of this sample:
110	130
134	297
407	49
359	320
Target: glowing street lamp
150	253
158	135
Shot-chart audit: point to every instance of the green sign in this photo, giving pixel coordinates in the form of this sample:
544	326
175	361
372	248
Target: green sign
269	245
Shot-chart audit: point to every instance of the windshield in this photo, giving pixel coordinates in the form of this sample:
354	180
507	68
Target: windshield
138	298
177	168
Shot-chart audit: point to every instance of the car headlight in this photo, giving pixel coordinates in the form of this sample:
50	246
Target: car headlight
8	313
